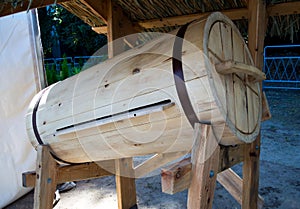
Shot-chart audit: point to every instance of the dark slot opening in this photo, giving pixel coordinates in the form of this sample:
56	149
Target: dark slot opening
164	102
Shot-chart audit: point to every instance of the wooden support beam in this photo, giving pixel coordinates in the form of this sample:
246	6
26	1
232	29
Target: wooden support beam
234	185
205	157
45	179
230	156
75	172
125	184
257	23
183	19
156	162
230	66
119	26
176	177
287	8
22	6
256	34
100	30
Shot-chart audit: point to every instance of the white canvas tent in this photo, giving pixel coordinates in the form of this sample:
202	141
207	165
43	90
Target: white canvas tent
20	67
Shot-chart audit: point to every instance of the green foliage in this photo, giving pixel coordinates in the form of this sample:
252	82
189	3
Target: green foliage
66	70
63	30
51	75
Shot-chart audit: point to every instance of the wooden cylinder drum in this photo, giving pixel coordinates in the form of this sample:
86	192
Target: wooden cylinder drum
147	99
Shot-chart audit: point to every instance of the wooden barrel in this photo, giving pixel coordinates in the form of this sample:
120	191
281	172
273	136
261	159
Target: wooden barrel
147	99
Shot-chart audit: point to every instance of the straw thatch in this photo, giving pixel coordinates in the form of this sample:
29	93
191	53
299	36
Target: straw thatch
141	10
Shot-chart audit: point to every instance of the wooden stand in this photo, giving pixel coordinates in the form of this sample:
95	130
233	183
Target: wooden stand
209	162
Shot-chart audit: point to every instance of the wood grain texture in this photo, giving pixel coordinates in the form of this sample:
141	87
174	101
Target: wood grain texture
125	183
204	168
45	179
234	185
256	33
176	177
71	113
78	172
155	162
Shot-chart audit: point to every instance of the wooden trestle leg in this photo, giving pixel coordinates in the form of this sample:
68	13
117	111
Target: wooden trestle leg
45	185
125	184
205	162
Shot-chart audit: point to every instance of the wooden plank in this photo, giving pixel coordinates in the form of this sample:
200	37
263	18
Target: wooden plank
256	33
24	5
125	184
176	177
45	179
240	99
287	8
155	162
100	30
234	185
74	172
234	14
205	157
230	156
231	66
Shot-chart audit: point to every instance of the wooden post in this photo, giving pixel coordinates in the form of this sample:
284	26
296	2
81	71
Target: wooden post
119	26
256	35
126	191
205	164
45	179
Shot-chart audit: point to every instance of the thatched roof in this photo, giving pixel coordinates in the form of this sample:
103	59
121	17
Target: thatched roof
284	20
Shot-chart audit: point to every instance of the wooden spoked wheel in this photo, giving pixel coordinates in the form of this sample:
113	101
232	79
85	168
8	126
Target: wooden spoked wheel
233	78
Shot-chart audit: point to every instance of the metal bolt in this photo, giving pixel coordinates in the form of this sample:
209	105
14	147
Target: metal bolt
49	180
211	174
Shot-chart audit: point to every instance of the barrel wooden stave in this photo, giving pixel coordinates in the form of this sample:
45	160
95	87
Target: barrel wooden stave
144	76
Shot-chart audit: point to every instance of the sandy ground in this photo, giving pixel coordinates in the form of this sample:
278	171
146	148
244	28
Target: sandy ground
279	171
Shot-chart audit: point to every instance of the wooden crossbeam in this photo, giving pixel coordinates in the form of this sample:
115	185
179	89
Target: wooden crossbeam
287	8
234	14
176	177
75	172
155	162
234	185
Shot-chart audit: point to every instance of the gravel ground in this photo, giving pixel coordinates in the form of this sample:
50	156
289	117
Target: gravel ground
279	171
